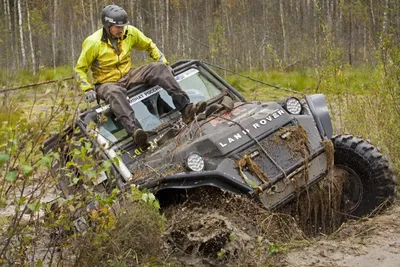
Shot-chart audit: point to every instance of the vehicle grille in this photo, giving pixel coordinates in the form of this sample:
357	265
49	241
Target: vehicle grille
279	150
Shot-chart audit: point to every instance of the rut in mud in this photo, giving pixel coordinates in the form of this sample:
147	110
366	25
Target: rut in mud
210	227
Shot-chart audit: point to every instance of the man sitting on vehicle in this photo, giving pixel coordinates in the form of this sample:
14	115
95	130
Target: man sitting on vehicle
107	53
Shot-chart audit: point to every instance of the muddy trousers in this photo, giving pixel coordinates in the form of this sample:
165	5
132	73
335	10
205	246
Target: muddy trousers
115	93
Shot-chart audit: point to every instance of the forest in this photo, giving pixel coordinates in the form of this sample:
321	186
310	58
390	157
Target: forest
244	34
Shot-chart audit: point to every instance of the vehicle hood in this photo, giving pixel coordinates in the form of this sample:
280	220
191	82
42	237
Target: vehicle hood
219	135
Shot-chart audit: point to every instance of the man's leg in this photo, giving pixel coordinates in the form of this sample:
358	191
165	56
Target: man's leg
115	95
159	74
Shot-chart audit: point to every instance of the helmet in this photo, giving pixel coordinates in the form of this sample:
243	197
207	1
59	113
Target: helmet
113	15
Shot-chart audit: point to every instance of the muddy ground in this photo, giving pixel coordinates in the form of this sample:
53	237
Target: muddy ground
214	228
369	242
232	231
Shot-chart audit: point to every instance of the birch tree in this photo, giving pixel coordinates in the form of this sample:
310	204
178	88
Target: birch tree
91	16
283	31
21	35
54	34
33	58
71	33
7	42
385	20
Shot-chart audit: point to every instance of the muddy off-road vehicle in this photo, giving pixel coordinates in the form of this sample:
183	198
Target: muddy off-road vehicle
269	151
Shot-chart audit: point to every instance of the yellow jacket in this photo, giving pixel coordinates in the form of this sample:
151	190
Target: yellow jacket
106	64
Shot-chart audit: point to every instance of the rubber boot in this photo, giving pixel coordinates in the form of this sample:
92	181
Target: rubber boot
140	138
191	110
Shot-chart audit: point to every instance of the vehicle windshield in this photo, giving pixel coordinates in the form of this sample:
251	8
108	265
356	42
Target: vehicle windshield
154	107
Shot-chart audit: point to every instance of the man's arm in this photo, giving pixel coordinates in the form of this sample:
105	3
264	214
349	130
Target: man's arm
88	55
146	44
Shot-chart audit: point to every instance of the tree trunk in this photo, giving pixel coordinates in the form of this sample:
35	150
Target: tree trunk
365	43
33	58
71	33
350	41
385	20
315	30
167	19
179	37
91	15
155	26
7	14
283	31
8	42
54	34
16	61
186	30
21	35
162	23
373	23
265	39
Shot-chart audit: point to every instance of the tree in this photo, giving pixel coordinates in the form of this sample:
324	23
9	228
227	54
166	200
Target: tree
33	58
21	35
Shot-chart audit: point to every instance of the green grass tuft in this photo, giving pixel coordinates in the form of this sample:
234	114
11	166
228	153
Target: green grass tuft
24	77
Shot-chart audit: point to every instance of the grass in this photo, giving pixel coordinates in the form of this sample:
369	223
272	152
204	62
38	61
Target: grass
353	81
300	81
23	77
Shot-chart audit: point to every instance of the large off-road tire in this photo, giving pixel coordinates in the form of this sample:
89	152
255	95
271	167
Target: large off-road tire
368	180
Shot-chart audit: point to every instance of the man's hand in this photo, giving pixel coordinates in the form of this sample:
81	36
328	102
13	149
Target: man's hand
90	96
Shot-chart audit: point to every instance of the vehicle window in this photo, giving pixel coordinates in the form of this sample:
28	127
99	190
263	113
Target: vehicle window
197	86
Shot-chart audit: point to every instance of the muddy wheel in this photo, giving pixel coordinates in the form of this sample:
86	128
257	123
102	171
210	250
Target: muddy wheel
368	180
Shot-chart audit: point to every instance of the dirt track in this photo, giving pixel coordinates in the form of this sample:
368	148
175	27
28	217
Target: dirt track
370	243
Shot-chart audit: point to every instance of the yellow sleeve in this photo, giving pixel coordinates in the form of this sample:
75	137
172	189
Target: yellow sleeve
88	55
144	43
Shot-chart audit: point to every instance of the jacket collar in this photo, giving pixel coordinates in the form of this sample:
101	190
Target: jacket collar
105	38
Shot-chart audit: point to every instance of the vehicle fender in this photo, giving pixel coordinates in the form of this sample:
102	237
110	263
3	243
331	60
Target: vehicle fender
320	112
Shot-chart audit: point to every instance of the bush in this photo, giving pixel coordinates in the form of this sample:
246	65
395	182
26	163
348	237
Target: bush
34	229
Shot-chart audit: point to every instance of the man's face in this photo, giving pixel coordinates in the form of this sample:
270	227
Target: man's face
116	31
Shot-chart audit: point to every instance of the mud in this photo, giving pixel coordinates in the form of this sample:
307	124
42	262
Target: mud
213	228
365	243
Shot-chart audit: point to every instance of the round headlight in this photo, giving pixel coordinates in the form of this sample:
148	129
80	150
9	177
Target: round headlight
194	162
293	106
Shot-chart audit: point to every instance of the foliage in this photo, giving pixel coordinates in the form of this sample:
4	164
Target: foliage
24	178
129	235
365	101
275	248
41	229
